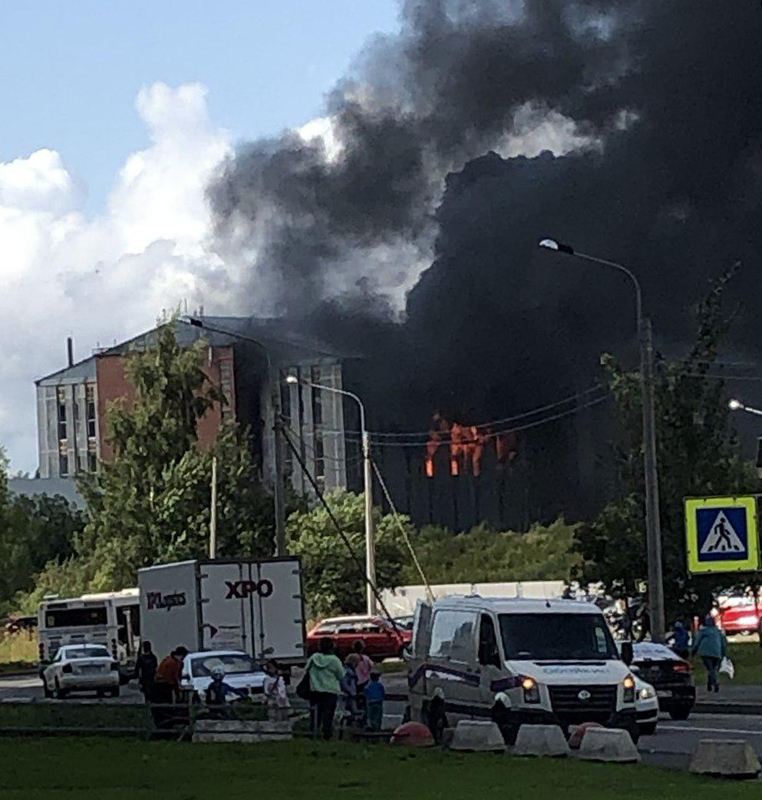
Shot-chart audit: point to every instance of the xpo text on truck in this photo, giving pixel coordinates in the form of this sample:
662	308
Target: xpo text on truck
254	606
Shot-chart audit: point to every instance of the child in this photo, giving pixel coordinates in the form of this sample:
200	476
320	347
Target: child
349	686
275	694
375	694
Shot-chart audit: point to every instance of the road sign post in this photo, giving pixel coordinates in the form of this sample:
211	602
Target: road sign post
722	534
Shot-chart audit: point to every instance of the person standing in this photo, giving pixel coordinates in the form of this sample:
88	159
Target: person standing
145	670
681	639
712	646
375	694
166	687
276	695
363	668
326	674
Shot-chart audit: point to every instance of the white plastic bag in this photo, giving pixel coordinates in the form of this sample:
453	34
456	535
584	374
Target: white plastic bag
727	667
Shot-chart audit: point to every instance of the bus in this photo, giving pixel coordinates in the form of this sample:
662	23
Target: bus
110	618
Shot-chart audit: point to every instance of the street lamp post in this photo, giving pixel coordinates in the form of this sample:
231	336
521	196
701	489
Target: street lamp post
370	543
653	522
278	488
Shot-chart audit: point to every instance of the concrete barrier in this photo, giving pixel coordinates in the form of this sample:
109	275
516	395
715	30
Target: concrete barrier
540	740
577	733
608	744
412	734
727	758
232	730
477	737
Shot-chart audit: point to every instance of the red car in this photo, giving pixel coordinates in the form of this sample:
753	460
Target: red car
739	619
380	637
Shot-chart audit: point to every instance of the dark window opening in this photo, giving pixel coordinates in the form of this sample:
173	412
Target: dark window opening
552	637
489	653
75	617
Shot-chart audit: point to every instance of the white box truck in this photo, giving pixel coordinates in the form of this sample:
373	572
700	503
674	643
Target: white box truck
226	604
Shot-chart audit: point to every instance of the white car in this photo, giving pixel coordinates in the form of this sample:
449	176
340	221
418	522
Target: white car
81	668
646	707
241	672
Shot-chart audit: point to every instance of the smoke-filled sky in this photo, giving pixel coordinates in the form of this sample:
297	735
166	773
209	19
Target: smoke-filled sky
417	194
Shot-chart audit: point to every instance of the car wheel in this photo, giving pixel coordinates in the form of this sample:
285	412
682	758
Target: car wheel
60	694
114	692
46	689
680	713
647	729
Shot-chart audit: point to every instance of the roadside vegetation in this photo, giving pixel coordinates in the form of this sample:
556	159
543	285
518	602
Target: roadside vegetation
91	769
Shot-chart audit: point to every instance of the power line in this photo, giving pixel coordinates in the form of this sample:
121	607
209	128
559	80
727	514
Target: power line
495	434
524	415
403	530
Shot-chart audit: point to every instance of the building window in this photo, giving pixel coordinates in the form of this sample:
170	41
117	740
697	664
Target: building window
226	385
319	461
317	398
91	413
92	462
62	431
63	465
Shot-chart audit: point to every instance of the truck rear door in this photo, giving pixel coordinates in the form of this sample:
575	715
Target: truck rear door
227	606
279	611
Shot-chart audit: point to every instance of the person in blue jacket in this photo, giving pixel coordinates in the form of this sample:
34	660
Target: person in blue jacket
712	646
375	694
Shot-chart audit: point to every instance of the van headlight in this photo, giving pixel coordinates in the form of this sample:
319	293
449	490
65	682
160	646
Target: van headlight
629	689
531	690
647	693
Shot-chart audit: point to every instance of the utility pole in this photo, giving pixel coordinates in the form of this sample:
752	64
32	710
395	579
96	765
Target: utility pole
281	548
370	540
653	521
213	512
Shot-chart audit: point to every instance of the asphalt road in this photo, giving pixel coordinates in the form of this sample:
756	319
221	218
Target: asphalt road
671	746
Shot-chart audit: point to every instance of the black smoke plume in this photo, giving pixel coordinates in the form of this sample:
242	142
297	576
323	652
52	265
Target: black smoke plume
657	112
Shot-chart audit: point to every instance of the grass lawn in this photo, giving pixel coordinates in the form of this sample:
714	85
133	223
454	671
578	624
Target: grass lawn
747	659
87	769
17	652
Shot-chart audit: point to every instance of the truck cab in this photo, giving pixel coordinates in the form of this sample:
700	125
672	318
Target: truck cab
517	662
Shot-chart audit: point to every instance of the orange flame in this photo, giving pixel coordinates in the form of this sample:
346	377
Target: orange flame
467	446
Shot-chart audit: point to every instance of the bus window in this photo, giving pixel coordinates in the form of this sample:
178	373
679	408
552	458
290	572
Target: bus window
75	617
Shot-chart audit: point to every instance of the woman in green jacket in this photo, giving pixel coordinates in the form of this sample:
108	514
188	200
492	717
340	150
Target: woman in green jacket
326	673
712	646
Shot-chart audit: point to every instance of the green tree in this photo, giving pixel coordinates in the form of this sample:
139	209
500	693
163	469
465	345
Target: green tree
697	454
333	582
485	555
151	502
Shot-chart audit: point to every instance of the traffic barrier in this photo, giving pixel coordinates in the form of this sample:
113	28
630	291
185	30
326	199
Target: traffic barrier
541	740
232	730
577	733
477	737
608	744
727	758
413	734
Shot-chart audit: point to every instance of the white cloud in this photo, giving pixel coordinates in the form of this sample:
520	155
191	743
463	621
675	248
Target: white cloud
105	277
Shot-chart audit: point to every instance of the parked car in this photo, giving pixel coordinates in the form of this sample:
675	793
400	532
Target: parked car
241	672
381	639
670	675
742	619
646	707
81	668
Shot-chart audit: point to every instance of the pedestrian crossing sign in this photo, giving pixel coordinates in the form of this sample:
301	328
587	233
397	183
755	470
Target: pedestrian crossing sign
722	534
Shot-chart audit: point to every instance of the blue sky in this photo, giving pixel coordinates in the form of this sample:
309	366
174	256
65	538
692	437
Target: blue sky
72	69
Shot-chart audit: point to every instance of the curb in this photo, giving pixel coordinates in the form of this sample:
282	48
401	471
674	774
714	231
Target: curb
20	674
732	709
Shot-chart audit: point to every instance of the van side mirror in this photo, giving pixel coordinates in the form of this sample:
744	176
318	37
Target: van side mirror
628	654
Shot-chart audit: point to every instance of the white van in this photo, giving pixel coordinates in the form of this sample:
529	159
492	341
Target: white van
518	661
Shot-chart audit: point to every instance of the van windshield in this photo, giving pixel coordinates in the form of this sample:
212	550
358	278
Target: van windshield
556	637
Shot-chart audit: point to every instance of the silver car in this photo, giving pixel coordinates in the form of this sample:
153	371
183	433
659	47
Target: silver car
241	671
81	668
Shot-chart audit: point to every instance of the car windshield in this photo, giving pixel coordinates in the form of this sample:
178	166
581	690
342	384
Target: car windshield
87	652
548	637
231	664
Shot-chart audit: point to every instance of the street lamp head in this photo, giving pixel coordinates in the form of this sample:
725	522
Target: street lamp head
552	244
292	379
735	405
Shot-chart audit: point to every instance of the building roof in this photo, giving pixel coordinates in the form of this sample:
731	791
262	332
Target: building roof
29	487
285	345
